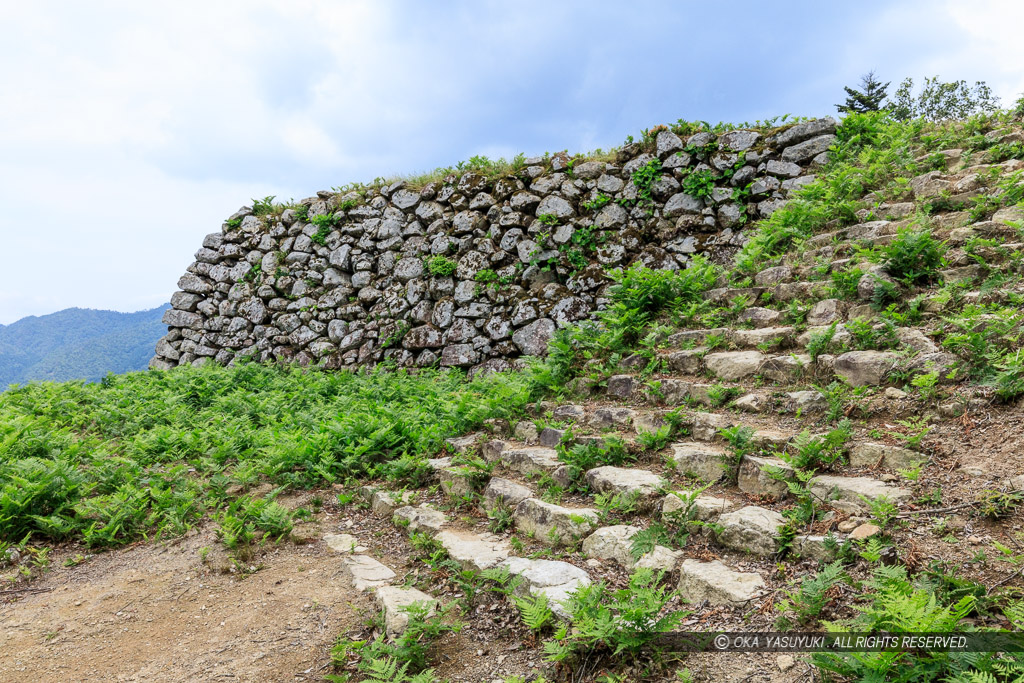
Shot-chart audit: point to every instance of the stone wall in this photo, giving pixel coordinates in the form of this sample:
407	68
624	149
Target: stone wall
529	252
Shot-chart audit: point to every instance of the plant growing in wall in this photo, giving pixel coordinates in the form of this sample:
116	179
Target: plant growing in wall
441	266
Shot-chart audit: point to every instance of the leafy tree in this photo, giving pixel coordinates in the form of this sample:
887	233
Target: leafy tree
938	100
868	98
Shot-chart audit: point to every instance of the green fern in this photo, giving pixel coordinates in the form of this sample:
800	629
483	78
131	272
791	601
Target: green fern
534	610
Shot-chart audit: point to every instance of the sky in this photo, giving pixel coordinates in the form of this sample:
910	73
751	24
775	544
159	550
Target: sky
129	130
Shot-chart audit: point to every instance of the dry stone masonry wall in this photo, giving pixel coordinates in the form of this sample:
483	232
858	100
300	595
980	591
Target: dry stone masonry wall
471	271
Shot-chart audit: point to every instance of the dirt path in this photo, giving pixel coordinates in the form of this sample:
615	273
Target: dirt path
154	612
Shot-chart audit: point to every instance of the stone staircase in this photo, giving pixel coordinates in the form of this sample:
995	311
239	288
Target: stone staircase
563	532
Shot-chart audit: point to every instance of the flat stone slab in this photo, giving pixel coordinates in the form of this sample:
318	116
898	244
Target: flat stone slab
552	578
787	367
864	368
531	460
553	524
344	543
717	584
421	518
702	460
773	337
394	600
755	480
707	426
688	362
704	508
504	491
894	457
845	492
611	543
384	503
751	529
734	365
472	551
644	484
605	418
366	573
660	559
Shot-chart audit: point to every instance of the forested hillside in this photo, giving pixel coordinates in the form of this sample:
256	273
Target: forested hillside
77	343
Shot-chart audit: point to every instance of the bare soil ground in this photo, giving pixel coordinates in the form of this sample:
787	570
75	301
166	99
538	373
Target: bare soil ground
154	612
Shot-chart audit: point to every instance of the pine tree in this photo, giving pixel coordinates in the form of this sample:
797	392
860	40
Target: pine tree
869	98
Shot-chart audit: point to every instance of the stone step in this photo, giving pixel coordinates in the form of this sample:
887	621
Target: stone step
531	460
553	524
473	551
751	529
615	543
554	579
500	491
716	584
643	484
420	519
366	573
848	493
394	601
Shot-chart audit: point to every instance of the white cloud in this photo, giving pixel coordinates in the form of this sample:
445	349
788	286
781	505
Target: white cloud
129	130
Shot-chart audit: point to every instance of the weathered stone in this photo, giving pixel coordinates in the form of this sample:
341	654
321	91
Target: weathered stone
756	477
472	551
554	579
773	276
621	386
864	531
395	601
501	491
807	401
611	543
751	529
532	460
846	492
812	547
553	524
533	339
384	503
704	508
365	573
705	461
826	311
805	130
422	518
717	584
760	317
803	151
689	362
643	484
731	366
893	457
342	543
864	368
611	417
738	140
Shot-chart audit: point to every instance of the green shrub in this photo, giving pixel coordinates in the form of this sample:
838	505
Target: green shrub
914	256
441	266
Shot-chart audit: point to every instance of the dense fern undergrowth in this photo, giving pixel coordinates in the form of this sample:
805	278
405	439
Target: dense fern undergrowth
150	454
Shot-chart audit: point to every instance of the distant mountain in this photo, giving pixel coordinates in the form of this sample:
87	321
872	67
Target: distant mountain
78	343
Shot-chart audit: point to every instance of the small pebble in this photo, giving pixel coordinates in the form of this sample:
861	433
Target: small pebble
785	662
